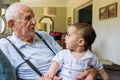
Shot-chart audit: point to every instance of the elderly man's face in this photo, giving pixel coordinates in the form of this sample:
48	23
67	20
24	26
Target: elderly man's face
25	25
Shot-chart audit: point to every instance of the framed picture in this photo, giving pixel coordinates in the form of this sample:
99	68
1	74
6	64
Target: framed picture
112	10
69	21
103	13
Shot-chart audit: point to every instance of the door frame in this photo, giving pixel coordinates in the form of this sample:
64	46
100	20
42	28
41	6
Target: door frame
76	11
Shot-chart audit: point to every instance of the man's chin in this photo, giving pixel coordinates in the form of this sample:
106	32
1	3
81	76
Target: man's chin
32	33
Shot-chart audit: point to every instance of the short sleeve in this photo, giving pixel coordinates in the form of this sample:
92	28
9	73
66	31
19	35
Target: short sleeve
96	63
59	58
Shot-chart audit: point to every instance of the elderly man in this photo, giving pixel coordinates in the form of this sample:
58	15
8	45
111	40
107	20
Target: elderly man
21	19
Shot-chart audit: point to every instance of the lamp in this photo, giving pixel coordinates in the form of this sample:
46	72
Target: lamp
49	11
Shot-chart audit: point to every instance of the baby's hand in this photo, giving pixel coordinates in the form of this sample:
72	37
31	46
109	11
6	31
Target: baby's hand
49	75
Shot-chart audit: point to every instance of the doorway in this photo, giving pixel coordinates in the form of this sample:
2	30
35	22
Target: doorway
85	15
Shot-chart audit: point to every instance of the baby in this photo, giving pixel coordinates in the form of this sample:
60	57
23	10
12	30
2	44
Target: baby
77	57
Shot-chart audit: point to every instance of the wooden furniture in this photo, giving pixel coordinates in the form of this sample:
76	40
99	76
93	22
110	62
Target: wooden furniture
59	37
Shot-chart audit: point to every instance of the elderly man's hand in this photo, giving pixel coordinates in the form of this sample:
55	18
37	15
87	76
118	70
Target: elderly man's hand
55	78
89	74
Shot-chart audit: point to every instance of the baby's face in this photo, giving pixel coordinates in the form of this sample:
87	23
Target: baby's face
72	38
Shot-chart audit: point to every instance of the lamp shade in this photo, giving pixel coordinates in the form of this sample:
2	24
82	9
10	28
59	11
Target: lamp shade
49	11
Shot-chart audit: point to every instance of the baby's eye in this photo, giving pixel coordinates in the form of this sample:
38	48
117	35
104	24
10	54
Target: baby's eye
68	34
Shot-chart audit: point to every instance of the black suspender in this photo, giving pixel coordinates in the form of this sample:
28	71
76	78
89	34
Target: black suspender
45	43
26	59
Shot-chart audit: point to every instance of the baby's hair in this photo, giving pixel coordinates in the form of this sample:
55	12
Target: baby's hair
87	32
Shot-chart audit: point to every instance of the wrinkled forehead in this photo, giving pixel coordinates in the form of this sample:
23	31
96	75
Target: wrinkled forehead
26	11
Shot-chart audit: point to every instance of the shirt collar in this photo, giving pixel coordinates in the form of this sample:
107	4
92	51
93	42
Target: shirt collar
19	43
87	55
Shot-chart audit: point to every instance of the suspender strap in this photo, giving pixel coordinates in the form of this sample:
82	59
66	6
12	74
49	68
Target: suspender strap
45	43
48	47
18	68
26	59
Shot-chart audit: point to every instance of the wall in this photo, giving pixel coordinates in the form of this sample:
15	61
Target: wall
107	43
59	19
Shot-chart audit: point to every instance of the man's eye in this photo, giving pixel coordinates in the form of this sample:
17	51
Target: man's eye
28	18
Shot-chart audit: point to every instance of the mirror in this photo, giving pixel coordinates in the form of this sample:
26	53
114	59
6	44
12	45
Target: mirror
46	24
2	24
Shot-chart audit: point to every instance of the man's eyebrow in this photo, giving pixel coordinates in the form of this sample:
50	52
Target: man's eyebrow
28	16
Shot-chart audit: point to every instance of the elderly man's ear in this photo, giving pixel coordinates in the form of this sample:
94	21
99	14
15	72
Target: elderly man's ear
11	23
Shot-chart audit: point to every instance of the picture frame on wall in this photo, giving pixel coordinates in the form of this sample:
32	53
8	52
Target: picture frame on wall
69	21
112	10
103	13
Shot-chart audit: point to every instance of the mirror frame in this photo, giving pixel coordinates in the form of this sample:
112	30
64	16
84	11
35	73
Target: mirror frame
52	29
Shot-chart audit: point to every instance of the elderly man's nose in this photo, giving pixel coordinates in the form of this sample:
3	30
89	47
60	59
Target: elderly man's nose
33	21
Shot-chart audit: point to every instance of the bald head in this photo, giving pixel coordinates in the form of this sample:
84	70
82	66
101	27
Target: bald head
14	11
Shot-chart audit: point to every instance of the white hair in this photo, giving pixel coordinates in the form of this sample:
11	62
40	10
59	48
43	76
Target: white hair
13	11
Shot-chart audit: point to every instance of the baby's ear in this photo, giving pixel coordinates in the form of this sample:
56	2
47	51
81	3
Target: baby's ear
81	41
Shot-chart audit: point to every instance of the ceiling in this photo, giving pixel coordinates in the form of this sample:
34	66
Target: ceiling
45	2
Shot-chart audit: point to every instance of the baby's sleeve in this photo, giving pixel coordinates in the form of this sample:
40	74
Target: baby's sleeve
96	63
59	58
